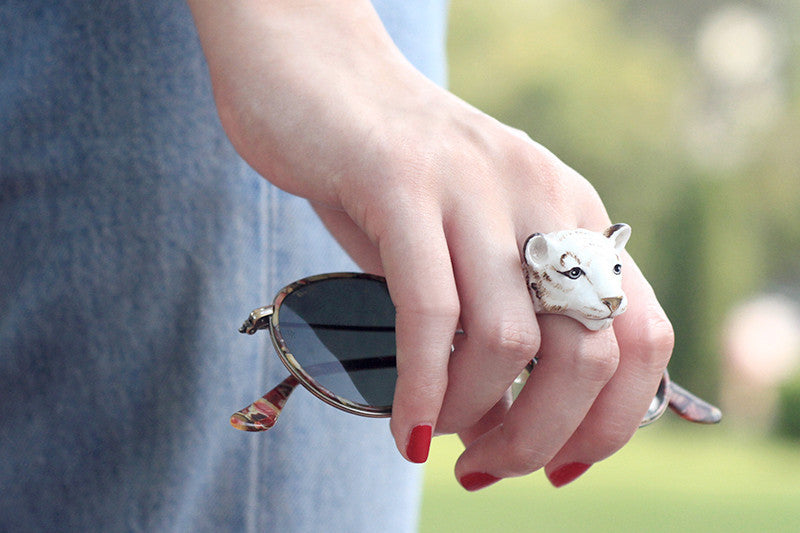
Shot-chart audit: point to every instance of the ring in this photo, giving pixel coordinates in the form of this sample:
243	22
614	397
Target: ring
577	273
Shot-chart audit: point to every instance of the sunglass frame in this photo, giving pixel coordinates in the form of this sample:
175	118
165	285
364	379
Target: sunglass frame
290	362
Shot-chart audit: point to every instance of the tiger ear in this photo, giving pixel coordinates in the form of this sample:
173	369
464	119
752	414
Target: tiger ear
619	234
536	250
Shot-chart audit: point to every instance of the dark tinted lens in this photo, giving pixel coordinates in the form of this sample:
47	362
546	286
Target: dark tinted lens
341	332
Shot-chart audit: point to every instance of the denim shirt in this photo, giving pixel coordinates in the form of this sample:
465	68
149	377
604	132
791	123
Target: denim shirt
134	242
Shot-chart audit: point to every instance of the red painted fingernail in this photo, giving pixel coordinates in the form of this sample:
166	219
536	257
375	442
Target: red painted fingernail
567	473
477	481
419	444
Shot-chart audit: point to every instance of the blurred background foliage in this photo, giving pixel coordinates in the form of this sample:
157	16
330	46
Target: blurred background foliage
686	118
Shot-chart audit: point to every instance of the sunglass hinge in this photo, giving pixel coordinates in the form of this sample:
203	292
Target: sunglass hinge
258	319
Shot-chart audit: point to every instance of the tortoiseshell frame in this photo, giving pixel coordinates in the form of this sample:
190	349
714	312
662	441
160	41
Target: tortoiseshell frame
263	413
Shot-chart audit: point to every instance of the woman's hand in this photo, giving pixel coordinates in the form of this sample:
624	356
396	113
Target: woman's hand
439	197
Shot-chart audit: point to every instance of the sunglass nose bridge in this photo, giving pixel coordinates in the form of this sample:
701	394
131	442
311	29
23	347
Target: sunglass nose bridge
258	319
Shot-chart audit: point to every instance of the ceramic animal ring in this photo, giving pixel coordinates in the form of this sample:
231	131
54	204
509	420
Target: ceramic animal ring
578	273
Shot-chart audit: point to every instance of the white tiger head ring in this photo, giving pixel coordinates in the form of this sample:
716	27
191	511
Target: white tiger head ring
578	273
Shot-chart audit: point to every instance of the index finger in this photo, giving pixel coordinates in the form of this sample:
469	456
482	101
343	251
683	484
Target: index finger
419	274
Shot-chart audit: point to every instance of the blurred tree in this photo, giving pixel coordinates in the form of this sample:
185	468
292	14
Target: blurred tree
634	95
787	424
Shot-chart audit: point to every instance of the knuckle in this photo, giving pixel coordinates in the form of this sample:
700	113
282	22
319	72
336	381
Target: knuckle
596	359
519	457
512	340
547	171
655	340
440	307
610	437
420	394
445	308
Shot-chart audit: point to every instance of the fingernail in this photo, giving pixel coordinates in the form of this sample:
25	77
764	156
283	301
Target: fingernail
419	443
477	481
567	473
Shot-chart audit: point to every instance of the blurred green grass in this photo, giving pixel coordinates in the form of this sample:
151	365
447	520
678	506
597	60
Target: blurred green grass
670	477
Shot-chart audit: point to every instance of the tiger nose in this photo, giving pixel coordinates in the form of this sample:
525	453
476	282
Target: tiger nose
612	303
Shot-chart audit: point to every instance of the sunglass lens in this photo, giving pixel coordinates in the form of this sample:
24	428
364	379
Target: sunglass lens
341	332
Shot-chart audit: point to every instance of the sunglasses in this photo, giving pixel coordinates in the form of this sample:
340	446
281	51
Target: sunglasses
335	333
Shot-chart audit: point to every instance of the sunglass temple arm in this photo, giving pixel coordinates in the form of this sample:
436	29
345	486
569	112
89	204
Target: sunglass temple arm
262	413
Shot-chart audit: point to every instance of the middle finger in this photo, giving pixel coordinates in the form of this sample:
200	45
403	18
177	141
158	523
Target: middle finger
574	366
500	330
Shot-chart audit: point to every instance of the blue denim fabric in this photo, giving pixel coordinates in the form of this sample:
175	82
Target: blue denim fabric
134	242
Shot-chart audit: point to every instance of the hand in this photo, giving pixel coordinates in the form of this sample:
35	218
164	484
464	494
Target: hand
439	197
